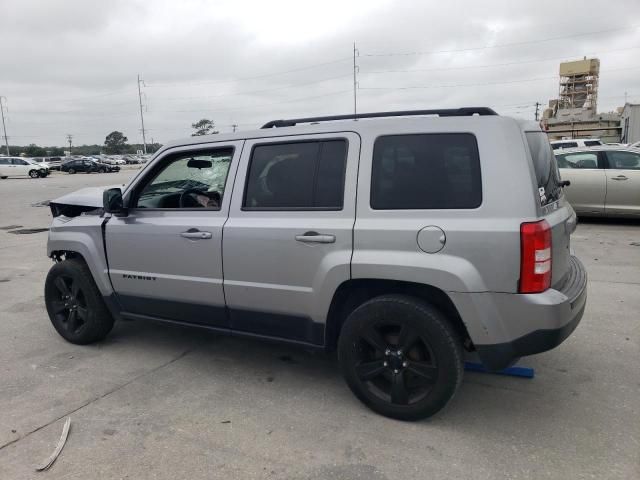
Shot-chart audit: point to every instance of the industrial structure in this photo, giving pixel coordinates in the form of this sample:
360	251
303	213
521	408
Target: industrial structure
574	114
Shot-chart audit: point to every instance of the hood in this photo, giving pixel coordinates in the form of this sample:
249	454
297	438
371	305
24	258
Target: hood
85	197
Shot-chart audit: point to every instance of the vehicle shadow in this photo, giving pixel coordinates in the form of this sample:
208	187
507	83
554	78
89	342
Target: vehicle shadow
478	407
624	221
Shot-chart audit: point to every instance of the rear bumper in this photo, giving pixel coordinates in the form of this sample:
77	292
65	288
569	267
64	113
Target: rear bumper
550	317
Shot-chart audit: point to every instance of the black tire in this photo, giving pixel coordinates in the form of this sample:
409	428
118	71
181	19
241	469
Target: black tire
34	173
74	304
71	171
101	170
4	177
401	357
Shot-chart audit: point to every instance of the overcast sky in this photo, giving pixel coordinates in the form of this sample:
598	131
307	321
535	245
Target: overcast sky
71	66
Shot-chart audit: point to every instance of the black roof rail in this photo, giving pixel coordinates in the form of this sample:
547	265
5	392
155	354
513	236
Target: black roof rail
446	112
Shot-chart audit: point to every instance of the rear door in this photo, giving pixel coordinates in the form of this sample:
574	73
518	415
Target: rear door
288	241
5	169
588	179
623	183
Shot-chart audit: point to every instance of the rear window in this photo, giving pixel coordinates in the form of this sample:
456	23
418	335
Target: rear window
556	146
426	171
545	167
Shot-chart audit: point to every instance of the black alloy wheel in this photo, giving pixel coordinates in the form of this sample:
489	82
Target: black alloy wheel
401	357
70	307
75	306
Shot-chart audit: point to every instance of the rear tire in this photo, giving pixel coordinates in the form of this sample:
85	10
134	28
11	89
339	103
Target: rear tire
401	357
101	170
71	171
74	304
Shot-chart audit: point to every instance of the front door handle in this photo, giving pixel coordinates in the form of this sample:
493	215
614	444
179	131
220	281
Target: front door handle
195	234
620	177
315	237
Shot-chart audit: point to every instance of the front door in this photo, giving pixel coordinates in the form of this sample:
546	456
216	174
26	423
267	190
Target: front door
165	258
623	183
288	241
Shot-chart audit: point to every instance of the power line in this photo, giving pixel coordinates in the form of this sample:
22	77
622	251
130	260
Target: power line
495	64
502	45
255	77
458	85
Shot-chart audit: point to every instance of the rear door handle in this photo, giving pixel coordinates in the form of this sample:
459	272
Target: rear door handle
194	234
315	237
620	177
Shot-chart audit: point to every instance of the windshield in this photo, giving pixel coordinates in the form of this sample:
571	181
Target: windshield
545	167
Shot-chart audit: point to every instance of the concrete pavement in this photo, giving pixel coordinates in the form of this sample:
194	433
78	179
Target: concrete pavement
159	401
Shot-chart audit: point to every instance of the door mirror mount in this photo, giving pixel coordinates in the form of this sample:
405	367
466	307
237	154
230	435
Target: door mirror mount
112	202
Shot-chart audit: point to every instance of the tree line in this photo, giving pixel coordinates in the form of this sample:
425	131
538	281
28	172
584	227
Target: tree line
114	143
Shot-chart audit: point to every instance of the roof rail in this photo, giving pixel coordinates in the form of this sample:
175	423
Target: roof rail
446	112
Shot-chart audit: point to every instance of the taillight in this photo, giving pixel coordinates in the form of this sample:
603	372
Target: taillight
535	257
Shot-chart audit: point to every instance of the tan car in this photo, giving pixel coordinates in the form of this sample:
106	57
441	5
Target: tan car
605	180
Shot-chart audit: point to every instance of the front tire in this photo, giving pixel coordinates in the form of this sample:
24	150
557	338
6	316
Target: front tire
71	171
34	173
401	357
74	304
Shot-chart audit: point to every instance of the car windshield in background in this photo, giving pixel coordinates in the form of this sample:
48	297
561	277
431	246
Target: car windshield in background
545	166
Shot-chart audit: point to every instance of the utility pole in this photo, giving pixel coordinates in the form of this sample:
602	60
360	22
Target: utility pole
144	139
355	80
4	128
70	140
538	104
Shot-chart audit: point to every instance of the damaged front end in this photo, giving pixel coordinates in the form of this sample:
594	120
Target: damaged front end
86	201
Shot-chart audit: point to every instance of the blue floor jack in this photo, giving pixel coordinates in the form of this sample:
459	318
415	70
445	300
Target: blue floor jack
473	364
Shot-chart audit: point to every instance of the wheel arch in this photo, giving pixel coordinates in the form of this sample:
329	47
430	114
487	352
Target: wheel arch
353	293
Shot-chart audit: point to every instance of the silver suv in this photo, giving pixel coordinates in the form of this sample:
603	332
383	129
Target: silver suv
401	241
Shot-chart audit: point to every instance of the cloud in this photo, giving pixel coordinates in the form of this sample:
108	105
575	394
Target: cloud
71	67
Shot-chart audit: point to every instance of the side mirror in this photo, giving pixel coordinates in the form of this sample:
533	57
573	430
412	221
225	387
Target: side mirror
112	202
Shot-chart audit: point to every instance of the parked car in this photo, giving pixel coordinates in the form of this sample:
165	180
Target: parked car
402	242
87	166
16	167
605	181
578	142
54	162
42	161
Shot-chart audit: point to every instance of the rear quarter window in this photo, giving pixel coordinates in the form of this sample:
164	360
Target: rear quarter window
544	166
426	171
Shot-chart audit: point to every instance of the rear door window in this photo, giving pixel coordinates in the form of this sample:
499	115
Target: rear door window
297	176
578	160
545	167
